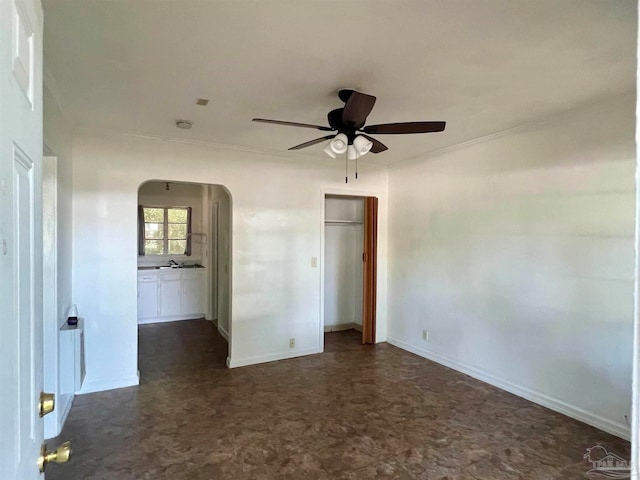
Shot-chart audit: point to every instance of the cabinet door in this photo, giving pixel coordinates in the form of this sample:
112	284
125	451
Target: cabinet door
147	300
170	297
192	295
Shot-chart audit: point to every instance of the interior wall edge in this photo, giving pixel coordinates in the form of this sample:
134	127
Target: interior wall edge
101	385
223	333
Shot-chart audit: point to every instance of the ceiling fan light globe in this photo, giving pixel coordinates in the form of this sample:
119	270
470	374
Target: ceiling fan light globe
339	143
352	153
362	145
329	151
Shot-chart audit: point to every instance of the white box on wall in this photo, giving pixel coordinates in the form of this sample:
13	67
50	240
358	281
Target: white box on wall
72	368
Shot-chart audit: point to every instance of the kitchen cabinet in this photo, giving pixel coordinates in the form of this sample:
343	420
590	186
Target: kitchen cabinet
165	296
147	296
191	293
170	294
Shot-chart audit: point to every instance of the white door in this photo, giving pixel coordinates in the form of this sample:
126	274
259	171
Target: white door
21	428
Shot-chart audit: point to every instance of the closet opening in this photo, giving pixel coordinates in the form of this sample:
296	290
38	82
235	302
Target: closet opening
350	251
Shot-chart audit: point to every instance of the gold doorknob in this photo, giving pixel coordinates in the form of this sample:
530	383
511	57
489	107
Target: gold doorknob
62	454
46	404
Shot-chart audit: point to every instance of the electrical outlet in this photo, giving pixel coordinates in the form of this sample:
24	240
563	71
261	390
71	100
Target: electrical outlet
292	343
425	335
314	261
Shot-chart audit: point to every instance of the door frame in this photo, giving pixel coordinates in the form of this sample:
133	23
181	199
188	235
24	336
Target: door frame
50	300
347	192
214	218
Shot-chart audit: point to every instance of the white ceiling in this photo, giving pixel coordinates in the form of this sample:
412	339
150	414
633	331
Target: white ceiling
483	66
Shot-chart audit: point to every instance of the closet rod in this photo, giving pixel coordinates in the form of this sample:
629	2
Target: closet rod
343	222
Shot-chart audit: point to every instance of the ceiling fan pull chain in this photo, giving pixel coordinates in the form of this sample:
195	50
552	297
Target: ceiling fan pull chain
357	165
346	168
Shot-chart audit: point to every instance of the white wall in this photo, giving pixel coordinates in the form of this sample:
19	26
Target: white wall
343	275
58	138
517	255
276	230
178	195
343	247
344	208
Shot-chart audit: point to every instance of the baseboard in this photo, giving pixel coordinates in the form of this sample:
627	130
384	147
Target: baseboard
271	357
65	408
618	429
93	386
172	318
223	333
343	326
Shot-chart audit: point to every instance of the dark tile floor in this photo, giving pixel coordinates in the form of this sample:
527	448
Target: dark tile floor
353	412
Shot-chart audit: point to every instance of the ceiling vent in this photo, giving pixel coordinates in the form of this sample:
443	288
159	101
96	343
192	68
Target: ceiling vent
184	124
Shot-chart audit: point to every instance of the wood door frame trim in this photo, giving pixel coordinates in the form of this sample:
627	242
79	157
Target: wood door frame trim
370	270
347	192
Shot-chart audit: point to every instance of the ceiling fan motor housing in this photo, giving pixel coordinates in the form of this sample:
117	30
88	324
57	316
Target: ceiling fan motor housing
335	121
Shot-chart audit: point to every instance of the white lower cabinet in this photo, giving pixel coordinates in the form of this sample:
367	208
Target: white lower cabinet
148	296
191	293
170	295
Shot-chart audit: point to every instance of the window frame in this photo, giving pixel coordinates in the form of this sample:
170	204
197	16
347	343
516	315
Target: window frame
165	231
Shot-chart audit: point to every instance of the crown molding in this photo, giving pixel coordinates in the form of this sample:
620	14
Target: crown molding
276	154
591	107
596	106
51	85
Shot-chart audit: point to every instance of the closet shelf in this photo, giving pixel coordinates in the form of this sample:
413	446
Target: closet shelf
343	222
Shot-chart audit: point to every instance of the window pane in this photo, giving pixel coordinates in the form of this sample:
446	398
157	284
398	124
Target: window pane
154	247
177	230
177	247
177	215
153	230
154	215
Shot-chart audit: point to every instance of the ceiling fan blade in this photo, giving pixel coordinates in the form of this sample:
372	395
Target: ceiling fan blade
377	145
311	142
406	127
357	109
294	124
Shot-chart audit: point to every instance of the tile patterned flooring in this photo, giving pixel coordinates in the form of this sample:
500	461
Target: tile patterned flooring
353	412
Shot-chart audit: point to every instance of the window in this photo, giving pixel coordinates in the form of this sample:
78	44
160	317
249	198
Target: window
164	230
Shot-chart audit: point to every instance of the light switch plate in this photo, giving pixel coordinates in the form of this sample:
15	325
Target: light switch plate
314	261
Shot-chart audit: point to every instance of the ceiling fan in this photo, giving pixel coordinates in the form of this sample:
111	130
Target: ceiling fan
349	123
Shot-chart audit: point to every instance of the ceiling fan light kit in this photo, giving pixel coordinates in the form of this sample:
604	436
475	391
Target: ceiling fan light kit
339	144
351	135
362	145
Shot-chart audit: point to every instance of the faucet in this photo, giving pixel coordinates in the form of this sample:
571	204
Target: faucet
173	263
